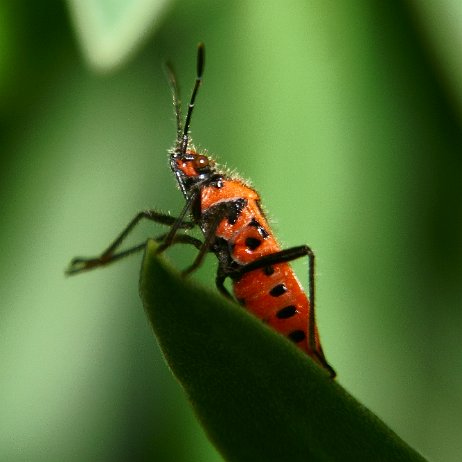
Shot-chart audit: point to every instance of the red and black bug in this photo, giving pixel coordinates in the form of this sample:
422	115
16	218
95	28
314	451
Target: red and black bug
235	229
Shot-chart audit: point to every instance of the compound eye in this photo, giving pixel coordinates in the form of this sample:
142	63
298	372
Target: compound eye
201	162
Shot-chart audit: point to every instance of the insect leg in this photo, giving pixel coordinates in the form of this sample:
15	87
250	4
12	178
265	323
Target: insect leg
219	212
219	281
79	264
178	222
84	264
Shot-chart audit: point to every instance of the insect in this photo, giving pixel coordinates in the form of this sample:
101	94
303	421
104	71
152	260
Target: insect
235	229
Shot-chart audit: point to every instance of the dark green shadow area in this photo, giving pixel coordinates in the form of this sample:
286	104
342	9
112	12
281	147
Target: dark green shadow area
257	396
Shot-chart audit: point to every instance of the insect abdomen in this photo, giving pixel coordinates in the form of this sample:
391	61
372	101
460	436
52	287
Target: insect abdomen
277	299
272	293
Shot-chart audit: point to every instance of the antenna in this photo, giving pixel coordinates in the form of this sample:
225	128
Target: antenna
199	72
171	76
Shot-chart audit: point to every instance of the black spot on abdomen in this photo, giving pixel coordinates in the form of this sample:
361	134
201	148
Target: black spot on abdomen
297	336
287	312
278	290
252	243
236	208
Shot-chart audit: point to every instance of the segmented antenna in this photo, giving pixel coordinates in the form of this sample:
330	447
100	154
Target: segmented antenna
171	76
199	72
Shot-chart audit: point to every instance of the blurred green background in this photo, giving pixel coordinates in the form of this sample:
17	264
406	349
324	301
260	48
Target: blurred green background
347	118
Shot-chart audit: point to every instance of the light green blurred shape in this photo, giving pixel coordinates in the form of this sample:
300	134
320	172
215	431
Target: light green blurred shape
110	31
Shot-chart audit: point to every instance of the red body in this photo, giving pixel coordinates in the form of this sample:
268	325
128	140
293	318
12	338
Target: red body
273	294
229	214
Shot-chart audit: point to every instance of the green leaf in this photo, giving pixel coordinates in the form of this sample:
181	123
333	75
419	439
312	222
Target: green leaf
109	31
258	397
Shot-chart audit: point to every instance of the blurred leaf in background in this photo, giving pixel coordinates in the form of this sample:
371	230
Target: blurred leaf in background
109	30
347	118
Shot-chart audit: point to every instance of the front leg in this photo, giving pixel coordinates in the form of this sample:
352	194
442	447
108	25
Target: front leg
109	255
211	220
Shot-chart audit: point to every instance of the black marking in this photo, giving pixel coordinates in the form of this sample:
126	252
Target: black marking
216	180
297	336
287	312
237	206
278	290
241	301
268	270
262	231
252	243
